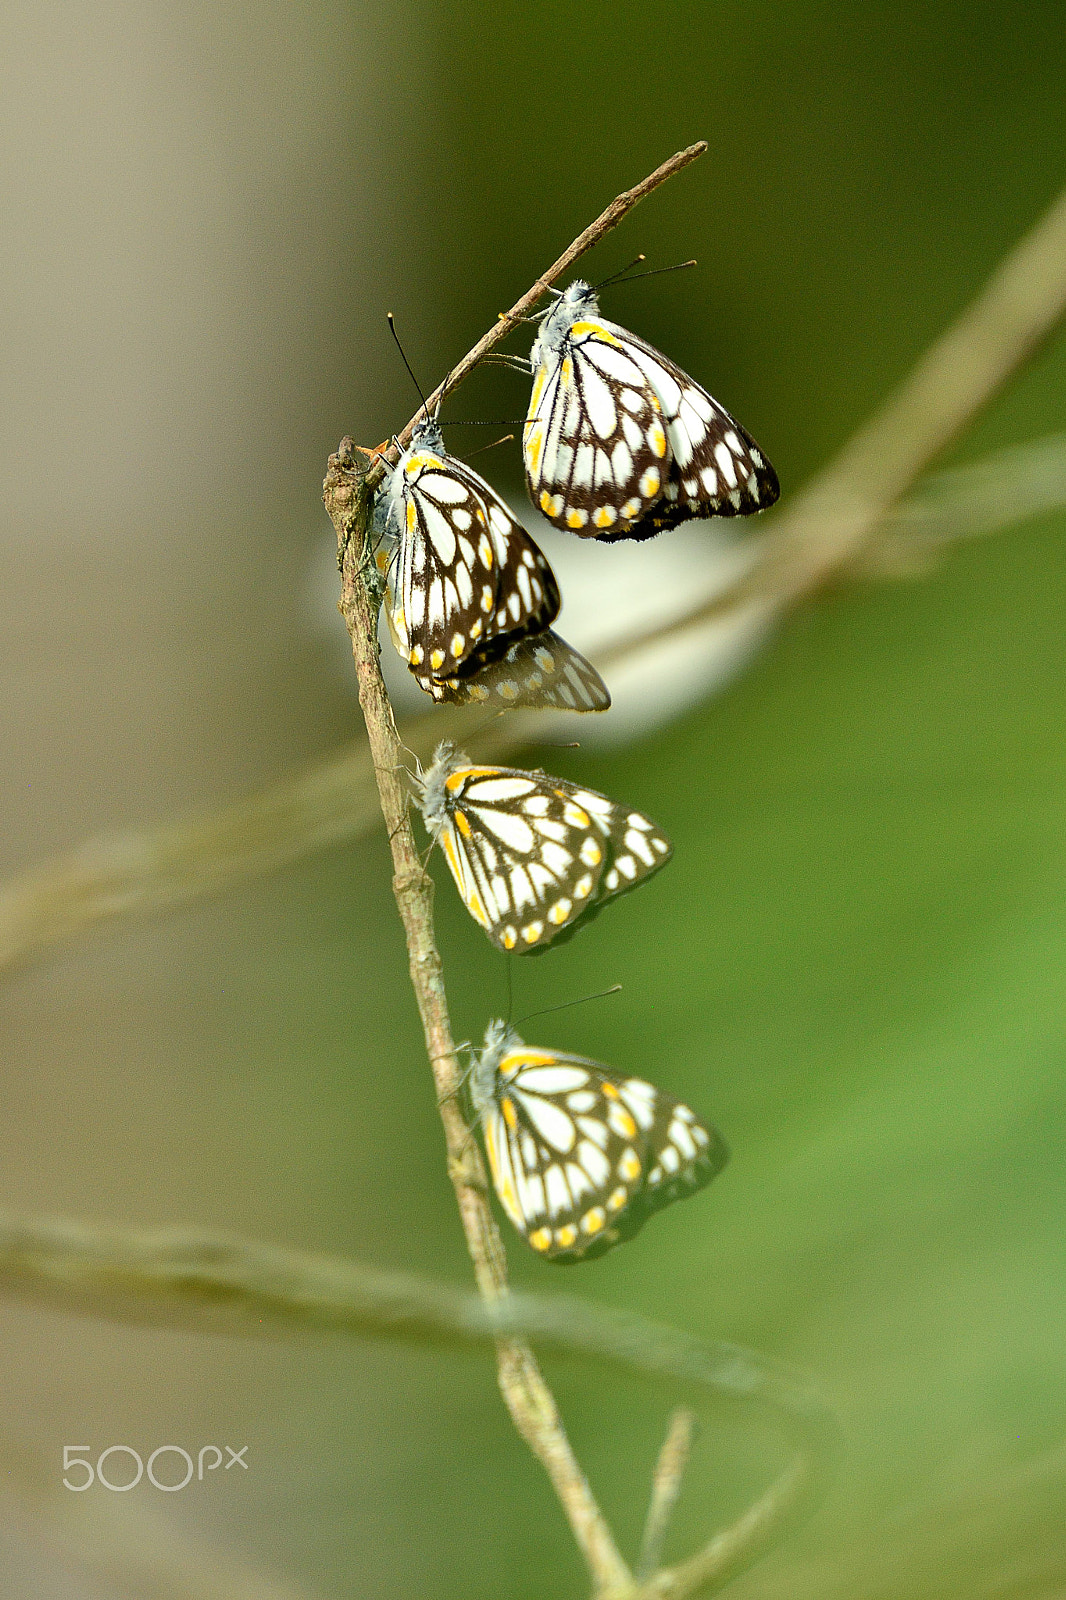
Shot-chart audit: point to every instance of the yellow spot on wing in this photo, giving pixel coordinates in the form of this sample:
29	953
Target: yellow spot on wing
596	329
528	1058
510	1115
462	824
452	856
542	1239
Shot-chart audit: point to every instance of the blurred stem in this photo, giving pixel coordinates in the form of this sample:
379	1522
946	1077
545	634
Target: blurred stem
146	871
525	1392
217	1284
827	527
665	1488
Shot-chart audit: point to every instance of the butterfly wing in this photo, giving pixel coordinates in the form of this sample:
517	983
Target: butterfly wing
596	449
463	571
530	853
717	469
581	1156
540	671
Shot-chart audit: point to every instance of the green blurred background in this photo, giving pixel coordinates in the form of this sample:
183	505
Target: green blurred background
855	965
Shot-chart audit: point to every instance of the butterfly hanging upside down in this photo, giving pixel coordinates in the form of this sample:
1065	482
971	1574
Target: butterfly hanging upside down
468	595
461	573
619	443
530	853
581	1156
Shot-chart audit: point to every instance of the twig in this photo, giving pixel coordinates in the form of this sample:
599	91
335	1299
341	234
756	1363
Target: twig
215	1283
665	1488
527	1396
507	320
970	502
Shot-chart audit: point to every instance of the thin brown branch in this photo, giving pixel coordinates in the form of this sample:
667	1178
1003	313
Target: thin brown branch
525	1392
508	320
665	1488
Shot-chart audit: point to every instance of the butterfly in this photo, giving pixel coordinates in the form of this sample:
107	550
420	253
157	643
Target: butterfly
580	1156
459	571
531	853
619	443
539	671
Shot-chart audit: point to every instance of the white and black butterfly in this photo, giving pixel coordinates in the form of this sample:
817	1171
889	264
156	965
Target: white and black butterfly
619	443
530	853
537	672
459	571
580	1156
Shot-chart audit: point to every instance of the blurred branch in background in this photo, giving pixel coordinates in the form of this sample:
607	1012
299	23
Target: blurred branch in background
998	1539
851	519
213	1283
332	801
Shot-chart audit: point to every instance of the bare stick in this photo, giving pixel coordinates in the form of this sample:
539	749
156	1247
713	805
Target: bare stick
527	1396
584	242
665	1488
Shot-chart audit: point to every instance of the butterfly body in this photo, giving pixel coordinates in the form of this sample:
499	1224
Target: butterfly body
619	442
580	1156
531	853
462	577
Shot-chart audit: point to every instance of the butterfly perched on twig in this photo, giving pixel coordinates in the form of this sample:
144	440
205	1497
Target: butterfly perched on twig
619	443
581	1156
461	575
530	853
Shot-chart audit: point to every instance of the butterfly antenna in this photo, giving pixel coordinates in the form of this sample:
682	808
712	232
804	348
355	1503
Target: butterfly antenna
480	451
473	422
616	988
678	266
407	364
614	276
